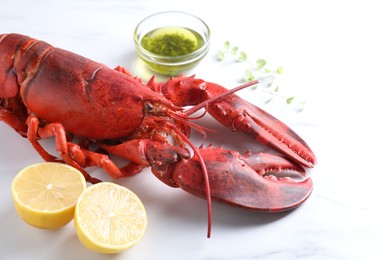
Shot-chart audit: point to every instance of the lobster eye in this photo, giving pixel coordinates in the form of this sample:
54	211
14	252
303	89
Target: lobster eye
148	106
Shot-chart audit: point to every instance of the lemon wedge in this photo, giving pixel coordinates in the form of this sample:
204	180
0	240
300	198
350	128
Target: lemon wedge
109	218
45	194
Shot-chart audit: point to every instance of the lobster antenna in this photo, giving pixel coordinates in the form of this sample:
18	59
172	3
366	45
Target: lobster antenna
200	129
205	175
218	97
195	149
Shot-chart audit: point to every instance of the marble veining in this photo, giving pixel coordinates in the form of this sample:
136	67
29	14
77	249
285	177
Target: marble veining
334	54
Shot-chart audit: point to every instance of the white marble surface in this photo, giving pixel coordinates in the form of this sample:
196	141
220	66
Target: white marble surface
334	53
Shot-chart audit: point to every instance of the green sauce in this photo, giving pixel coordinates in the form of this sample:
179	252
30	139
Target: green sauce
172	41
175	50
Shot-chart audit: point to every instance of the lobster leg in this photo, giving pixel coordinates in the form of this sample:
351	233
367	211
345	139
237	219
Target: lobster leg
57	130
13	113
13	121
237	114
235	180
50	130
86	158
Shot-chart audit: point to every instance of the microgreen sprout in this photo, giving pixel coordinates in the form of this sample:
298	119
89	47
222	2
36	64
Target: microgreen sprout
257	70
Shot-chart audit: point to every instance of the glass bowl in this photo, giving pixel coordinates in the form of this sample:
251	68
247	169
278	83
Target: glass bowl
171	42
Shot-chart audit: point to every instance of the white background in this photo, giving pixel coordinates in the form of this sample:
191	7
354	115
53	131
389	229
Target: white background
335	54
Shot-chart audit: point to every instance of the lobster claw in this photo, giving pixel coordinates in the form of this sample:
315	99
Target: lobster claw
240	115
234	181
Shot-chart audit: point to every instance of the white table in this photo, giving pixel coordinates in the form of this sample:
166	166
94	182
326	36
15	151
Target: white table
334	54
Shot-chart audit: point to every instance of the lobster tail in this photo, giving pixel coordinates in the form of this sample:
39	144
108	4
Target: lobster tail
21	60
8	81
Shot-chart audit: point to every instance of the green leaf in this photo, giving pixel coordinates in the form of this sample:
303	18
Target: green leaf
234	50
220	56
260	67
241	56
226	45
290	99
260	63
248	75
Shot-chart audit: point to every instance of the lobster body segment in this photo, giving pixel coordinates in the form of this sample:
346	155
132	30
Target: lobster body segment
59	86
47	91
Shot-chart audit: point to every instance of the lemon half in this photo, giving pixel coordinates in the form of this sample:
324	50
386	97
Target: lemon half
45	194
109	218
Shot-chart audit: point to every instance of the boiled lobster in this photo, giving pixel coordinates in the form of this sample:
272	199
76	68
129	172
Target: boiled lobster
46	91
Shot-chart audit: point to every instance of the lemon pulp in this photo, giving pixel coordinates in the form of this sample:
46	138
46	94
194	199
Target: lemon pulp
109	218
45	194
